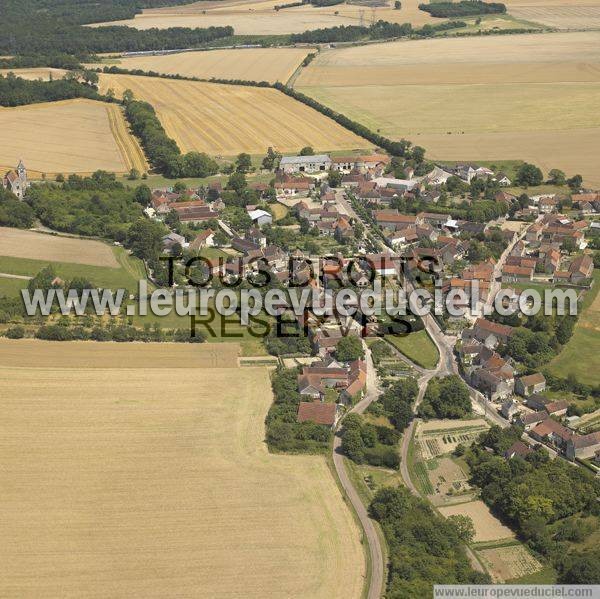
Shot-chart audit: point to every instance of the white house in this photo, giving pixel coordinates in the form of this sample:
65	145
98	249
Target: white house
260	217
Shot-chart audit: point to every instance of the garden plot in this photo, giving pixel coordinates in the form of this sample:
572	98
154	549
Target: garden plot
438	437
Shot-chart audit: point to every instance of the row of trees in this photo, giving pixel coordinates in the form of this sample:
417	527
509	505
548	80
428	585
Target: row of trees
464	8
162	151
376	31
116	332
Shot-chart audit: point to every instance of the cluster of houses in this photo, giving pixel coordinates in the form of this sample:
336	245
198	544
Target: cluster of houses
16	181
326	218
543	253
539	415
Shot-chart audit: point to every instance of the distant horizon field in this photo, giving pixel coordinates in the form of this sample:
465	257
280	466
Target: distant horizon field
224	120
259	17
117	485
68	136
527	97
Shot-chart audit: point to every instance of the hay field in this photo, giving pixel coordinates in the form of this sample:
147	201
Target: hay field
529	97
226	119
487	526
39	246
561	17
71	136
33	74
155	481
253	64
259	17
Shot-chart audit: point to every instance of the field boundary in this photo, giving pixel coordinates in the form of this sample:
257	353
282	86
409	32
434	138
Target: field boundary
128	145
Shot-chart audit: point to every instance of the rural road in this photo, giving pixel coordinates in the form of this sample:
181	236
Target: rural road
368	526
5	275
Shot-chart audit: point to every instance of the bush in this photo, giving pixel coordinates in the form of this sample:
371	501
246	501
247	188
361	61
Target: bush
16	332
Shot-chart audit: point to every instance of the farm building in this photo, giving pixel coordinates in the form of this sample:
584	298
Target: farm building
318	412
305	164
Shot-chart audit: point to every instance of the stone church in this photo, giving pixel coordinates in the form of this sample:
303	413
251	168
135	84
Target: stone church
16	180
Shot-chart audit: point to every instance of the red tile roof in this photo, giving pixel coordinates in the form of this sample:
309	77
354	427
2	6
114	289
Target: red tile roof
317	412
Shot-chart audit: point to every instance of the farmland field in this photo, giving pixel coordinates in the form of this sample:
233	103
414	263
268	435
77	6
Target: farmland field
157	482
254	64
39	246
534	96
259	17
71	136
32	74
228	119
487	526
581	355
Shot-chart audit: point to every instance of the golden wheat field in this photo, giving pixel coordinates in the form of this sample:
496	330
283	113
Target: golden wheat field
530	97
39	246
253	64
135	479
33	74
71	136
227	119
259	17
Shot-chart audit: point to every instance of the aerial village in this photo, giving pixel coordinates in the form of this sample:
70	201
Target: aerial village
333	209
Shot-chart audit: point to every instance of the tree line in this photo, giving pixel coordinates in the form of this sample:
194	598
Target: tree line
379	30
162	151
465	8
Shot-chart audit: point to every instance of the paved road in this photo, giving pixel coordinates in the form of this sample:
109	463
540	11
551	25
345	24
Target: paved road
5	275
368	526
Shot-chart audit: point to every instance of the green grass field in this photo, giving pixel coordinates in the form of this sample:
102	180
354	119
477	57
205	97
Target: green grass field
130	271
581	356
417	347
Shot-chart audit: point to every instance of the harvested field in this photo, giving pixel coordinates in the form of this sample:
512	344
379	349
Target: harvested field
256	17
155	482
39	246
89	354
71	136
487	526
506	563
254	64
535	96
561	17
228	119
33	74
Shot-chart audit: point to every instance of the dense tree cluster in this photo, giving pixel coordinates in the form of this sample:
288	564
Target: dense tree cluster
548	502
284	432
464	8
396	403
96	206
13	212
364	442
424	548
446	397
47	26
15	91
162	151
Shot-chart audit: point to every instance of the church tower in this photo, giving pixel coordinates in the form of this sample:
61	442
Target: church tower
22	172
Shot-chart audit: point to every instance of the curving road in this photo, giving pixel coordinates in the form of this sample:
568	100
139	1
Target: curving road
370	533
